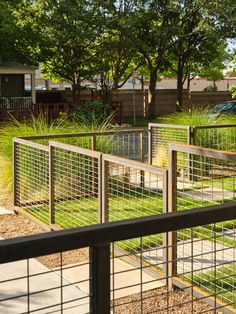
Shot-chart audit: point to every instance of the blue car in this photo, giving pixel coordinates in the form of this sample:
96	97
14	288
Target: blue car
228	107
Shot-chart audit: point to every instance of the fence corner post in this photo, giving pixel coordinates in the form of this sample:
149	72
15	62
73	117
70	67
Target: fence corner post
104	208
51	186
15	184
172	207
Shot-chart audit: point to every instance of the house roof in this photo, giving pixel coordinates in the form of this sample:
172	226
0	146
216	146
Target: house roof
16	68
17	65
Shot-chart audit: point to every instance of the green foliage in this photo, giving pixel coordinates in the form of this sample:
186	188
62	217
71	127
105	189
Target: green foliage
232	90
39	126
95	110
191	117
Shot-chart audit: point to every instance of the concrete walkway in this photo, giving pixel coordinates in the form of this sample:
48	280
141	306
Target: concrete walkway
125	276
198	255
14	286
41	280
4	211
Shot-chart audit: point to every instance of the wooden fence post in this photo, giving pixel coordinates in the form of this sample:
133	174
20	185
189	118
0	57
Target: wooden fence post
142	159
104	211
15	166
51	186
172	207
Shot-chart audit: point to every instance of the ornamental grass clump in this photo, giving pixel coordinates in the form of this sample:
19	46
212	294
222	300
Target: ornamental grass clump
192	117
39	126
217	138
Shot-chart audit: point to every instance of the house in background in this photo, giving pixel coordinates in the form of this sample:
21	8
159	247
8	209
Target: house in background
12	85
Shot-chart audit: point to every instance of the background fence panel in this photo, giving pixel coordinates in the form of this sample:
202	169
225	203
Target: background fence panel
31	178
221	137
128	143
160	136
75	185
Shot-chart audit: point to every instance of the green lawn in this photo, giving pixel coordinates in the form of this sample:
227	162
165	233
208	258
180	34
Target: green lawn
222	282
84	211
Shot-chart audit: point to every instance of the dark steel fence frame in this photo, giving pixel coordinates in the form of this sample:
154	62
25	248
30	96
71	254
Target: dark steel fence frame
99	237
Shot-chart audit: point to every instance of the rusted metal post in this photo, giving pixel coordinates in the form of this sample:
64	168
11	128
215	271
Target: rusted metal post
94	172
150	151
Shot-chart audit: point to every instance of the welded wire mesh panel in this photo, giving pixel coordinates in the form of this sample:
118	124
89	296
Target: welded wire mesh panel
204	181
217	136
160	136
75	181
56	283
140	286
129	144
31	177
203	178
205	259
134	191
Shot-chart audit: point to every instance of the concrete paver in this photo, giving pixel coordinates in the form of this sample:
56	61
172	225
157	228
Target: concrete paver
125	275
203	254
44	286
4	211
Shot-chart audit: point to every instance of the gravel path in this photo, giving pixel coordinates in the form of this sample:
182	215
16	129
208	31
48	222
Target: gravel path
157	301
15	226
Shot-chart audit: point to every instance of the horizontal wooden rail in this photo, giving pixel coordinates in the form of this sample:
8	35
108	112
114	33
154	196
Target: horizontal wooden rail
203	151
83	134
30	144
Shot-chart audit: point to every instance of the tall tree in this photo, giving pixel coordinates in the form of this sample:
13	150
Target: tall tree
62	35
151	27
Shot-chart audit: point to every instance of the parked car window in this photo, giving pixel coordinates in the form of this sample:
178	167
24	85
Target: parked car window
227	106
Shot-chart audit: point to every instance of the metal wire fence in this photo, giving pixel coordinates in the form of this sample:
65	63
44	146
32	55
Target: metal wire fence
45	284
83	274
31	177
160	136
85	187
75	181
130	143
222	137
212	246
133	190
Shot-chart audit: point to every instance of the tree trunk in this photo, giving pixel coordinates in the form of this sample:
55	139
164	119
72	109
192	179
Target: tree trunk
188	88
180	75
152	89
76	85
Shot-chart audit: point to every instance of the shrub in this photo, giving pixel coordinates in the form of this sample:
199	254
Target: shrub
232	90
191	117
39	126
95	109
